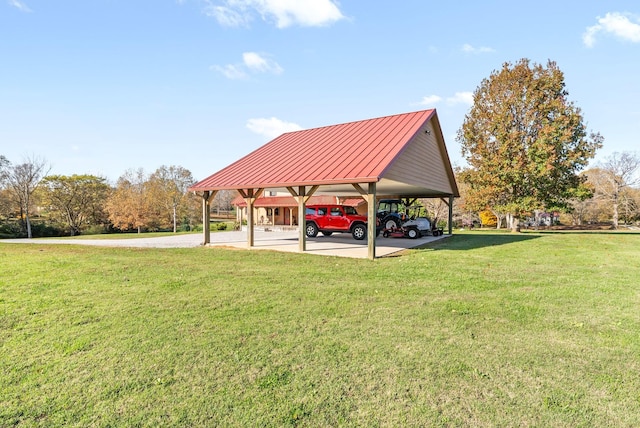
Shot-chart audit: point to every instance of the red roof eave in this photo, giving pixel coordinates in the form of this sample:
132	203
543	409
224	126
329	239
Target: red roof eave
201	186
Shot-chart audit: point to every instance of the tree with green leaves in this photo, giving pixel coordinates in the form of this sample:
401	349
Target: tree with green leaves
168	188
76	201
525	143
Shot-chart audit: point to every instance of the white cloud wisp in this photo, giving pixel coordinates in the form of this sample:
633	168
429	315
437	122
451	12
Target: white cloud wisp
465	98
272	127
19	5
260	63
430	100
285	13
253	63
467	48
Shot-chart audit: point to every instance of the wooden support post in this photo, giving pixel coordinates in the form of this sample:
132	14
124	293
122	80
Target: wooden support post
206	218
250	196
371	221
302	224
370	197
302	196
250	229
450	214
449	204
207	197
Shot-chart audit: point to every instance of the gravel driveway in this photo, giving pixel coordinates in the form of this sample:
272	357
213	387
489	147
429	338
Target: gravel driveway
170	241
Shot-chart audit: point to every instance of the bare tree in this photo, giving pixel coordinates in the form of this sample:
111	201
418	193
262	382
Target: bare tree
22	180
436	209
615	174
5	197
222	201
4	169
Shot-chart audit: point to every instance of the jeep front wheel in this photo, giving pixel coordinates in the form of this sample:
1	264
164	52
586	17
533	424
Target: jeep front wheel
312	230
359	232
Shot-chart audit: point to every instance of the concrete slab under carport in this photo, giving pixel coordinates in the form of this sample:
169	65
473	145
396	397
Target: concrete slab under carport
339	244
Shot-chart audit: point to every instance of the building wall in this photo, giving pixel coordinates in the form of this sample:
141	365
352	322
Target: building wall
422	164
280	216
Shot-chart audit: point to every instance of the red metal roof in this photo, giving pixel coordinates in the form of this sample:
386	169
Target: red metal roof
354	152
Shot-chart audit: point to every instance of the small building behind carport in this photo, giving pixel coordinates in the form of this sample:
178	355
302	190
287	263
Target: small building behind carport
283	210
402	155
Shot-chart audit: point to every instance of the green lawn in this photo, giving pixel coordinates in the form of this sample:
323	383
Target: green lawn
482	329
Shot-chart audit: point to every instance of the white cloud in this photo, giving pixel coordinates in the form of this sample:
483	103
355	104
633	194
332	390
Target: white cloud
619	24
285	13
461	98
272	127
467	48
230	71
260	64
19	5
457	98
251	63
227	16
430	100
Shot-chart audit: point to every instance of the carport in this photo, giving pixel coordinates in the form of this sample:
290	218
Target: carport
398	156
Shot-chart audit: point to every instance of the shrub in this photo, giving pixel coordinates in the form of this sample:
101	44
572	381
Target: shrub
487	218
44	230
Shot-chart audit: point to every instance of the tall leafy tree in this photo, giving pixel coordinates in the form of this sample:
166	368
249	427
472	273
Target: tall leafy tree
168	191
22	181
76	201
524	141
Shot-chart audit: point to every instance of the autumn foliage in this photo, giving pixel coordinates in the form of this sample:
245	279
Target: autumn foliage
488	219
524	141
154	202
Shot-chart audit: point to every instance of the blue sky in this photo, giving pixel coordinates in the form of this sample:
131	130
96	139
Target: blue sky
103	86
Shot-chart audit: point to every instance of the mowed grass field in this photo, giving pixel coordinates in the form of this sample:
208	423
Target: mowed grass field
481	329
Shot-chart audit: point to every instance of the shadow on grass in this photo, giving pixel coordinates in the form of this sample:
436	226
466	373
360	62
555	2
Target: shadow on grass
480	240
588	232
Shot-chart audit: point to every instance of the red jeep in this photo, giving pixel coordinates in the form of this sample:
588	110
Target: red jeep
335	218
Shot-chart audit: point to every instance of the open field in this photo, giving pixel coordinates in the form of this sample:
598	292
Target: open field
482	329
